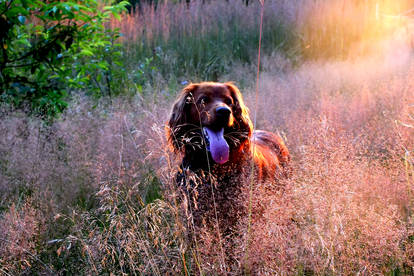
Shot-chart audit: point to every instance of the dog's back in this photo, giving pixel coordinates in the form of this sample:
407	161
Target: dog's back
270	154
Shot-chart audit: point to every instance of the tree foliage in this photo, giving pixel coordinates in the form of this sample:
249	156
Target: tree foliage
49	47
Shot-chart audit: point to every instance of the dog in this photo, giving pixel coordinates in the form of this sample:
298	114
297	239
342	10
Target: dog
211	129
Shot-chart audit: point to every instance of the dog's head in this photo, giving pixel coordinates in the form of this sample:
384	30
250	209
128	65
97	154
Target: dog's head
210	116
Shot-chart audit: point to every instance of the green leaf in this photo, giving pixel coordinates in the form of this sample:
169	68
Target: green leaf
86	52
117	16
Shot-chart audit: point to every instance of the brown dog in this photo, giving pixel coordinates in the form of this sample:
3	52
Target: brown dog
211	127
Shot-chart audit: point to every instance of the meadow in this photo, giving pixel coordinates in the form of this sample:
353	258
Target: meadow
93	191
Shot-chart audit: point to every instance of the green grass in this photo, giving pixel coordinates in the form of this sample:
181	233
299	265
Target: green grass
203	49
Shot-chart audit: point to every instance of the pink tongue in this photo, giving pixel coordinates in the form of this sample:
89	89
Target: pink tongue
219	148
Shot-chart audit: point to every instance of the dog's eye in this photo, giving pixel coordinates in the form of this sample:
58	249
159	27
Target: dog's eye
203	100
228	101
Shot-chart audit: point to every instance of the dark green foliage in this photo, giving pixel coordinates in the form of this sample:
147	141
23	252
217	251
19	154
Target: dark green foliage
48	47
152	188
136	5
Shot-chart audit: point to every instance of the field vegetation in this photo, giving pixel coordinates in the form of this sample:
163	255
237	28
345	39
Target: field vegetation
88	188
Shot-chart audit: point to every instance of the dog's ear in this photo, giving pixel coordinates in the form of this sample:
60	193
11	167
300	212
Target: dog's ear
180	116
240	110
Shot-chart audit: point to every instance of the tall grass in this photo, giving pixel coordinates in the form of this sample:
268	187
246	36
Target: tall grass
94	193
342	28
202	41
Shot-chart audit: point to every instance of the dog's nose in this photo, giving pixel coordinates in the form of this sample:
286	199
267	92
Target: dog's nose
223	112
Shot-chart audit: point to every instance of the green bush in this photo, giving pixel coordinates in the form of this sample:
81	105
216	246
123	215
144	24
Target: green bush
48	47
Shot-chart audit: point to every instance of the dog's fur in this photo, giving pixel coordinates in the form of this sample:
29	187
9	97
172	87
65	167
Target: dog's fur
197	107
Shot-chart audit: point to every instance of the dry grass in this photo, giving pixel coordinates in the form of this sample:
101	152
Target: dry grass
94	193
99	186
169	19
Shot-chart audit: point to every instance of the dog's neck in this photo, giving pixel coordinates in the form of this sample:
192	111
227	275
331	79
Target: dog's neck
197	160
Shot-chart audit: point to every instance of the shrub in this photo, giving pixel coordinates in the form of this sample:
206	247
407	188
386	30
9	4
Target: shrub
50	47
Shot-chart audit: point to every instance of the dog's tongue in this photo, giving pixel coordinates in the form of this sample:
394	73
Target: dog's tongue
219	148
